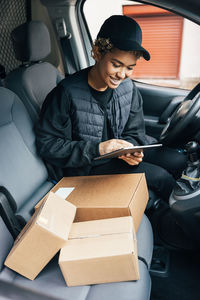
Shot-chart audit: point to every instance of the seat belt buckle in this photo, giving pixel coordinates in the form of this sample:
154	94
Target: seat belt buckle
8	216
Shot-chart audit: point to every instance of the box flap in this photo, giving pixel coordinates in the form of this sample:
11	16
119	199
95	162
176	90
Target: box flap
57	216
101	227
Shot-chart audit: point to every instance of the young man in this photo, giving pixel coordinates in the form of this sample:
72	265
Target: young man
98	110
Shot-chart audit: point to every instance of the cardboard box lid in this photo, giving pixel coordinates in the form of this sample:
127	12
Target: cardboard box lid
106	196
116	190
100	238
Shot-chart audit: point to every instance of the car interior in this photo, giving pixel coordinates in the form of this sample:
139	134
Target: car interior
41	43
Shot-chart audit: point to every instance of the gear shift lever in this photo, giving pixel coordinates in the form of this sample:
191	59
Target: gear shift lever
185	197
192	148
189	182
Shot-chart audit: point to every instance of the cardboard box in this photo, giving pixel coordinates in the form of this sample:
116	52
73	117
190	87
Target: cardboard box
107	196
100	251
42	237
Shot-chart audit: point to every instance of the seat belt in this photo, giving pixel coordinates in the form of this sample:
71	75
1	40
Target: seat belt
2	75
8	215
65	42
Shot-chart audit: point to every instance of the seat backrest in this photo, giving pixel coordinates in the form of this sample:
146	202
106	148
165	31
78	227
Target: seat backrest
22	172
34	79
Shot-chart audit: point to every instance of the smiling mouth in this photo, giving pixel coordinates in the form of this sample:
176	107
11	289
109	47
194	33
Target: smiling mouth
115	81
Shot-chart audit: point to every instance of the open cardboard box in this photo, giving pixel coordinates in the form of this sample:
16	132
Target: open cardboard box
100	251
106	196
42	237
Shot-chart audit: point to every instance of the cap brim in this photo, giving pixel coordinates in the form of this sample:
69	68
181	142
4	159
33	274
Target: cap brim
128	45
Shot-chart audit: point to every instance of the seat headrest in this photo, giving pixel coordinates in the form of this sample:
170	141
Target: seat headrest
31	41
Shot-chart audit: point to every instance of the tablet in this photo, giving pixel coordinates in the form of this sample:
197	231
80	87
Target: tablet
124	151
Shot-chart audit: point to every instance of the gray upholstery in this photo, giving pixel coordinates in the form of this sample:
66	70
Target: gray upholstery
54	285
32	84
145	237
139	290
35	79
22	172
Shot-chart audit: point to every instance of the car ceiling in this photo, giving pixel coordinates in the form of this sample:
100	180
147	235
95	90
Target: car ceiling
186	8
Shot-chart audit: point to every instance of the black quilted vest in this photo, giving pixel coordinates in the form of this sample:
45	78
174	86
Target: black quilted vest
86	115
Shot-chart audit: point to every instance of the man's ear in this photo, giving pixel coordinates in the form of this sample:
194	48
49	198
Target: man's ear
95	53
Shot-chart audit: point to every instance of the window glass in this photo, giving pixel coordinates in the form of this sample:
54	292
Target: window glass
167	36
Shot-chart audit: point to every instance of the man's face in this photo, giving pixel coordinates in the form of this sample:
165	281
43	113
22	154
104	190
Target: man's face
114	67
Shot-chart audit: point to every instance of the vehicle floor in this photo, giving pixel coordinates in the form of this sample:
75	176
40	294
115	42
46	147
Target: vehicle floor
181	281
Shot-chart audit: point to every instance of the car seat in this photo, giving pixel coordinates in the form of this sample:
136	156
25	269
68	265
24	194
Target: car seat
34	79
24	175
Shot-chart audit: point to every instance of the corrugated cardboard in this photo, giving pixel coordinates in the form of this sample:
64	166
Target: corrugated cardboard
107	196
100	251
42	237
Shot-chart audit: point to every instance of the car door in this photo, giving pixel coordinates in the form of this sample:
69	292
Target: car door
158	104
167	78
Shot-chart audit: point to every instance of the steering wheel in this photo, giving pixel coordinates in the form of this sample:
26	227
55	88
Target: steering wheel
184	122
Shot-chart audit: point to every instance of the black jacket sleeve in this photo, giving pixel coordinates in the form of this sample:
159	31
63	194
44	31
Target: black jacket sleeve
134	131
54	134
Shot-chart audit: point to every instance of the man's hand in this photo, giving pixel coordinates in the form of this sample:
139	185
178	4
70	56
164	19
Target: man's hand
132	159
112	145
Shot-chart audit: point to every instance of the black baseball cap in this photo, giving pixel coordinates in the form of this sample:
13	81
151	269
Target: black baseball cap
124	33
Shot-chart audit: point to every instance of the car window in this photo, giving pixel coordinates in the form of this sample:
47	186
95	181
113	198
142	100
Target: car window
173	41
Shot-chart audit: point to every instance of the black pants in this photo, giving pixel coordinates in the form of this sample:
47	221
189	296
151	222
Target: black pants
172	160
161	168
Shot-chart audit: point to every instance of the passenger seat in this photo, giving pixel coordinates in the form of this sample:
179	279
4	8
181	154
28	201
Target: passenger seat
34	79
25	177
50	284
22	173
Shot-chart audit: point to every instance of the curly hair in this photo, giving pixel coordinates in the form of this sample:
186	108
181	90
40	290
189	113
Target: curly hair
104	45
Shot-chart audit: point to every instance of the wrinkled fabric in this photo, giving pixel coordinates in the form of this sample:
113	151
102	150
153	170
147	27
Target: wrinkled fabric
189	181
